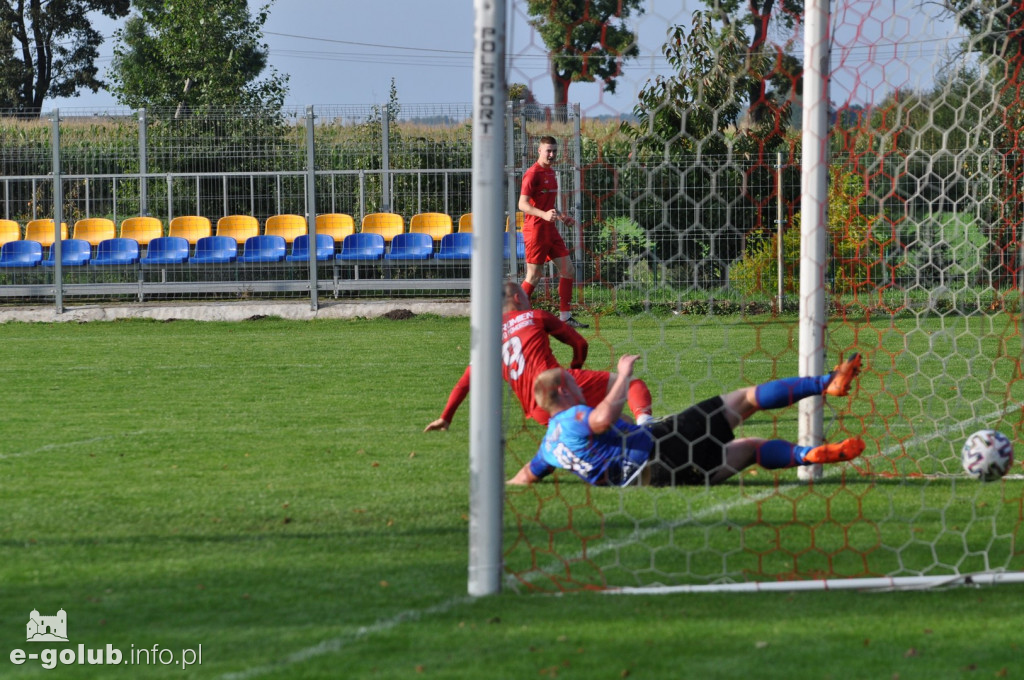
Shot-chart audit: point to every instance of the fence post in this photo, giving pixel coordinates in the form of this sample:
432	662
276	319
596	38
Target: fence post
311	209
510	181
385	159
58	215
780	221
143	165
577	198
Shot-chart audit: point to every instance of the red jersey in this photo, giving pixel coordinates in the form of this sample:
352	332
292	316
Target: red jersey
525	352
540	185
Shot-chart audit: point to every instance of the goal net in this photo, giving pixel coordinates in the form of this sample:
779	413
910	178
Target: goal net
684	174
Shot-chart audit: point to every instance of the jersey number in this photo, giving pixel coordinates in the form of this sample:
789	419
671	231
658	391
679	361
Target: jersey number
512	357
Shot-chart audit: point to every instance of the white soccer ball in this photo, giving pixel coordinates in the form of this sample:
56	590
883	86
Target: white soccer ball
987	455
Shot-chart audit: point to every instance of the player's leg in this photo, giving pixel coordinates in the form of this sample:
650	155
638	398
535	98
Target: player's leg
776	454
746	401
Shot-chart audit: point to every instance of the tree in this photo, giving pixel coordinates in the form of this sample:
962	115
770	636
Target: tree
55	50
586	40
194	54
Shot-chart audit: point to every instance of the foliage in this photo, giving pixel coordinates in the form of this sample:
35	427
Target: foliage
195	55
621	251
57	49
587	40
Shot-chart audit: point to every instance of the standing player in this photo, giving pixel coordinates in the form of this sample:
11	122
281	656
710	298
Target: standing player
543	242
526	352
694	447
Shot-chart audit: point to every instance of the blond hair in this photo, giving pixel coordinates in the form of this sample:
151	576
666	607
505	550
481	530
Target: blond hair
546	386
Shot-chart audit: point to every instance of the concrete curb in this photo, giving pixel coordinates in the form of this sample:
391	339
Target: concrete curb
298	310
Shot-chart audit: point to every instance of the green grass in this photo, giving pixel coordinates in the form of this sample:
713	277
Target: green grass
264	489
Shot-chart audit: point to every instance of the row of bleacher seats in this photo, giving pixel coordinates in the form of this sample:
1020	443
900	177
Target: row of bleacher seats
263	248
240	227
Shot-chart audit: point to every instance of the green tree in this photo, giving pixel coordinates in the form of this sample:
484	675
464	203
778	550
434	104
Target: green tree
587	40
55	50
195	54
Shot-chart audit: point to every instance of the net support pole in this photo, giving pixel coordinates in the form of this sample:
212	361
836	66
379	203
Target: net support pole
813	220
58	216
486	454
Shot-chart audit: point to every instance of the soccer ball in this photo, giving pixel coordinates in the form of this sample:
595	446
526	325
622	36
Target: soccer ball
987	455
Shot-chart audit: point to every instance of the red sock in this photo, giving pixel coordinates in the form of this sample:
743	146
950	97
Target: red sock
528	289
639	398
565	295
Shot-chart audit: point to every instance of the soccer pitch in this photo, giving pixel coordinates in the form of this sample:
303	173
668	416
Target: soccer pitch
263	490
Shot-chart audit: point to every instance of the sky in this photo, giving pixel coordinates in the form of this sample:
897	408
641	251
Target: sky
346	52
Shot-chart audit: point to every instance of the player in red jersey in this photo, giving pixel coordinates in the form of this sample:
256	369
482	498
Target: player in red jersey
526	352
537	199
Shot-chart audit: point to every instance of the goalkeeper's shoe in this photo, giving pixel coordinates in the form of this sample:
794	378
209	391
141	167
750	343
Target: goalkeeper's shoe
843	375
848	449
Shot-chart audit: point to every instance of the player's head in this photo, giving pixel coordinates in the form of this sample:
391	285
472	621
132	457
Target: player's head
555	390
513	297
547	150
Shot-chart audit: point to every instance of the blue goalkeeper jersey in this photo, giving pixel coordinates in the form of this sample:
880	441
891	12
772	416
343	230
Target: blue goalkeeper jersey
609	458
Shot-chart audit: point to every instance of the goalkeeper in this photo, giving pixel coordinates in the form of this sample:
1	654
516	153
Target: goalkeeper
526	352
694	447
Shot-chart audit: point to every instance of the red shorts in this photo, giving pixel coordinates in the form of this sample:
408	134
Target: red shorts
593	384
543	243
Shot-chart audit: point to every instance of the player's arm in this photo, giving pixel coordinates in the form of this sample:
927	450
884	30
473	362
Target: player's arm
569	336
609	410
455	399
532	472
526	206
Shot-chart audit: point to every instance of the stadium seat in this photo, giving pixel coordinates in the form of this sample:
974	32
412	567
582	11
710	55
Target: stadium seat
520	219
466	223
215	250
94	230
190	227
74	252
287	226
520	246
300	248
21	254
238	227
432	223
42	232
166	250
458	246
362	247
387	225
264	248
411	246
116	251
335	225
9	231
142	229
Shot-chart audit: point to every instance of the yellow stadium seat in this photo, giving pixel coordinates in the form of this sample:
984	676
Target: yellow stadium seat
466	223
520	218
94	230
42	231
336	225
387	225
9	231
432	223
288	226
190	227
142	229
238	227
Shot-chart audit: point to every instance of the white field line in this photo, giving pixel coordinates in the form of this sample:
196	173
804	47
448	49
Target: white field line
71	445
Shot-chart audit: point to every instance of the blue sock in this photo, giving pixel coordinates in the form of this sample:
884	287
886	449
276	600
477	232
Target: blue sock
775	454
787	391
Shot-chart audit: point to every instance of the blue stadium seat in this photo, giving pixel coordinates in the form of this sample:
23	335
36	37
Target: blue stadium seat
362	247
215	250
74	252
166	250
457	246
21	254
116	251
300	248
411	246
520	246
264	248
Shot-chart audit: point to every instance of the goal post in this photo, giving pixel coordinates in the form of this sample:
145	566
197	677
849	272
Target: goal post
486	469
